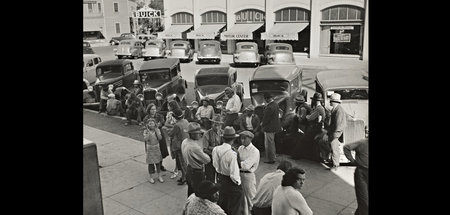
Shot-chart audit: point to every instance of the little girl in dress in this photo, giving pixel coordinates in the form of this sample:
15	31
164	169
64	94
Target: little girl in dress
152	135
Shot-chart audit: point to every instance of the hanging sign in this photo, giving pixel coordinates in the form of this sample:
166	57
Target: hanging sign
341	28
147	12
341	37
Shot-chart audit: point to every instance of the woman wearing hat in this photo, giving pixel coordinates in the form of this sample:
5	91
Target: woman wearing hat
192	151
211	139
204	200
204	113
225	161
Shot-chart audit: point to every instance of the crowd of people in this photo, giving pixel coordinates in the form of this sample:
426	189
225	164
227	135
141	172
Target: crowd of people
216	148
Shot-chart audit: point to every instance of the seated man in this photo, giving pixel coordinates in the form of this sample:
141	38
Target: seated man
134	109
114	106
204	114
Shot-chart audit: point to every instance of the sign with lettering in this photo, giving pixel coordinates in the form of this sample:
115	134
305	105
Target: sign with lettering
341	37
231	36
147	12
341	28
249	16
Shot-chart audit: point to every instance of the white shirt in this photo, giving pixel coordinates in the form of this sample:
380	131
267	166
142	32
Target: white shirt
267	185
225	162
249	157
234	104
289	201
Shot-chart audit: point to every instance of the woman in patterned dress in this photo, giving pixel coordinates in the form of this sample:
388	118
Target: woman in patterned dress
159	119
152	135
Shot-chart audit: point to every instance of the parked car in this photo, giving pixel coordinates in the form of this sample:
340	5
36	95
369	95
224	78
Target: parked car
120	73
279	53
89	96
90	62
181	49
160	75
211	82
209	51
145	37
154	48
246	53
283	82
353	86
124	36
129	48
87	49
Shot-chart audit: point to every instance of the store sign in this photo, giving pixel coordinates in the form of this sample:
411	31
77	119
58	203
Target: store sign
250	16
237	36
341	37
147	12
341	27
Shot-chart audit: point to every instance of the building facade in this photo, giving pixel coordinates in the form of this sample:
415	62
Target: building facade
104	19
314	28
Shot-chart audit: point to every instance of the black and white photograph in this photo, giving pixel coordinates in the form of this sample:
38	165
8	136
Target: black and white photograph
226	107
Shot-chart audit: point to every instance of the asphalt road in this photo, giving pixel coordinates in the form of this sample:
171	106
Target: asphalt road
188	71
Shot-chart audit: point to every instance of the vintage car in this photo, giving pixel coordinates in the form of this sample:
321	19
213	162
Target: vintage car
129	48
154	48
160	75
145	37
246	53
211	82
180	49
89	96
87	49
125	36
209	51
353	86
90	62
278	53
116	72
283	82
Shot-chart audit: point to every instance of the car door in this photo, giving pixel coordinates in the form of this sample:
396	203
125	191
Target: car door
89	72
129	75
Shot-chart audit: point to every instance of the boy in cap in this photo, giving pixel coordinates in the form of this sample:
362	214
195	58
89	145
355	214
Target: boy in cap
249	158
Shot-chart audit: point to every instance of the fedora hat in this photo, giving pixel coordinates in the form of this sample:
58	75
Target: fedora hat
206	188
216	119
335	97
194	102
178	113
300	98
229	132
219	102
317	97
247	133
194	127
204	99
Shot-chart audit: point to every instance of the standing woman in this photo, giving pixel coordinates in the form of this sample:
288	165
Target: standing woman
152	135
159	119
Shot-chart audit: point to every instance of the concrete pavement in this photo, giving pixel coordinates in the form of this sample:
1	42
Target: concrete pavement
125	189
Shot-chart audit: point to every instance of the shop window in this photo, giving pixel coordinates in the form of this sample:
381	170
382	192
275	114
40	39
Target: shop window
182	18
117	28
116	7
214	17
90	8
291	15
342	13
99	7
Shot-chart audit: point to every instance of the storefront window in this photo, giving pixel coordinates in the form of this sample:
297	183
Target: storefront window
214	17
291	15
342	13
345	41
182	18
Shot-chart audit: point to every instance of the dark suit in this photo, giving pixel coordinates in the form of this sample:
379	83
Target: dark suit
270	125
258	140
337	124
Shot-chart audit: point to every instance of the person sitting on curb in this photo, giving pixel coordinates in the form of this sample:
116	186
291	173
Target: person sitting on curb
114	106
134	109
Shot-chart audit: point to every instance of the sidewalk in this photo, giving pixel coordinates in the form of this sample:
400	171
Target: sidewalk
126	191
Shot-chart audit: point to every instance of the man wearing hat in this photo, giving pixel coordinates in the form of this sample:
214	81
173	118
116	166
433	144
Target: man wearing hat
301	110
249	158
113	106
194	107
204	200
337	124
218	108
192	151
177	135
225	161
232	108
205	113
211	139
270	124
137	87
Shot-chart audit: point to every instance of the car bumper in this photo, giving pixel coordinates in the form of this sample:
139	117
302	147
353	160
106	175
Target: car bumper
245	61
208	58
179	57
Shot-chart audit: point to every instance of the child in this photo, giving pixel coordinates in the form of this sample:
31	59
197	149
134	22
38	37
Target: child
152	135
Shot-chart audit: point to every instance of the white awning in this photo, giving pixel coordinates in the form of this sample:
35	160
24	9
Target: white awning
284	31
240	32
205	31
174	32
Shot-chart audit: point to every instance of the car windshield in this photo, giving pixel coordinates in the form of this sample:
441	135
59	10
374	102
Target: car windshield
346	94
282	48
152	44
208	45
154	78
269	85
178	45
125	43
247	47
109	70
212	80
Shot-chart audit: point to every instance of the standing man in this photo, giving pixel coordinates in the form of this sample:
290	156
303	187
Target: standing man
211	139
361	148
338	122
225	161
249	157
287	198
232	108
192	151
270	125
177	136
262	202
301	110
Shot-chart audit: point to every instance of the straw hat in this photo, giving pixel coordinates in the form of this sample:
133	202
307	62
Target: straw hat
229	132
335	97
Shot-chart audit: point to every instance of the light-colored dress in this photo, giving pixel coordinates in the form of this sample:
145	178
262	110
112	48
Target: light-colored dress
152	145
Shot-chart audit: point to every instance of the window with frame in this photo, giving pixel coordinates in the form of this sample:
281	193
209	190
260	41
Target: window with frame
97	60
292	14
128	67
174	72
90	8
343	13
295	84
99	7
116	7
182	18
214	17
117	28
